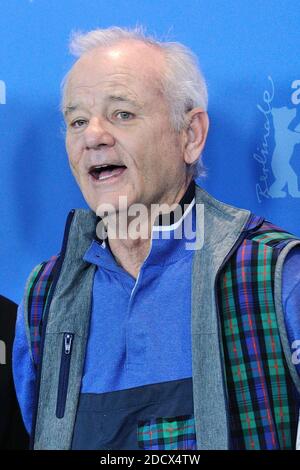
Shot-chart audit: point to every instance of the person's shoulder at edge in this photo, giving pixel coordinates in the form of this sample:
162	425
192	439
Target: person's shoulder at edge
12	434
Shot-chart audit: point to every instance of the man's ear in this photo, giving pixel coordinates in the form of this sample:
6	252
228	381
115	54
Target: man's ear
196	130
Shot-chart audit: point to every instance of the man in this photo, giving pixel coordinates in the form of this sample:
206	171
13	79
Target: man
155	334
12	431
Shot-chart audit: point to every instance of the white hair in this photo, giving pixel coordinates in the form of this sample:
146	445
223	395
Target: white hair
182	81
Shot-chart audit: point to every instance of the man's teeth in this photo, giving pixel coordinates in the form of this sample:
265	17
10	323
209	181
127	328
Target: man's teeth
104	177
104	172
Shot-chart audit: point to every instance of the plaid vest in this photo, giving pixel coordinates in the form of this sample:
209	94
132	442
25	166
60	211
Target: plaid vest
263	403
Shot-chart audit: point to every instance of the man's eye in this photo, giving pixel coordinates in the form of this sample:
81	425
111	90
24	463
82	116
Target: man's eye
78	123
124	115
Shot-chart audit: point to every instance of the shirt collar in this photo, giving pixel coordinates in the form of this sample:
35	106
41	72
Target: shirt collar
175	216
169	237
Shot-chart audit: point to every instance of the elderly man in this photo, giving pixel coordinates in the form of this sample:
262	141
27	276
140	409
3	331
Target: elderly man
175	332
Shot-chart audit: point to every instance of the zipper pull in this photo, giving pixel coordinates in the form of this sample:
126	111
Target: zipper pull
68	342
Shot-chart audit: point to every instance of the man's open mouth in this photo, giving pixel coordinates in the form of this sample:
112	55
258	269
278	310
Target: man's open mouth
103	172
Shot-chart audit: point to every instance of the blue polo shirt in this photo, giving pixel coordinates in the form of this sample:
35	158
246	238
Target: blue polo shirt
138	368
140	328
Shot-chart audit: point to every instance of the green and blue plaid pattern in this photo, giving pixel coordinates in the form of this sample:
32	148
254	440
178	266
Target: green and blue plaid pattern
262	401
37	295
167	433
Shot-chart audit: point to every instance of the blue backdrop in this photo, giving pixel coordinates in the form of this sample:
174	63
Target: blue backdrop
249	52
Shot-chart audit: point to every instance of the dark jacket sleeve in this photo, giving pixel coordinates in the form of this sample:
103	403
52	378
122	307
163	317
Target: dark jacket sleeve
12	431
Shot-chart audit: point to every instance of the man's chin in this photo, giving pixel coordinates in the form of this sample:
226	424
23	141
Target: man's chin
110	204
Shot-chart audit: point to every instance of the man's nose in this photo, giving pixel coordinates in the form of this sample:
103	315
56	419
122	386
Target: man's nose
97	134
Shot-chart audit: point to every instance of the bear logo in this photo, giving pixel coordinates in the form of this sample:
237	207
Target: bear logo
285	141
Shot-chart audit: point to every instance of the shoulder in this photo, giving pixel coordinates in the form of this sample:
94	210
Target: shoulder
256	228
8	313
7	304
264	244
269	234
7	307
41	276
37	289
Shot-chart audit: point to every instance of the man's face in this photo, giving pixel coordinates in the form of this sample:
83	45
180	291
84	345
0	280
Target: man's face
117	115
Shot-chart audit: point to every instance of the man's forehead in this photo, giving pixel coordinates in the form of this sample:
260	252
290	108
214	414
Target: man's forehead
126	86
106	90
126	62
81	97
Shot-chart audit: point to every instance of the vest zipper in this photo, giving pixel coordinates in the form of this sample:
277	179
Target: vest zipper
64	374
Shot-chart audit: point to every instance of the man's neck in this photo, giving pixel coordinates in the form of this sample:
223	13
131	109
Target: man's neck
130	252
